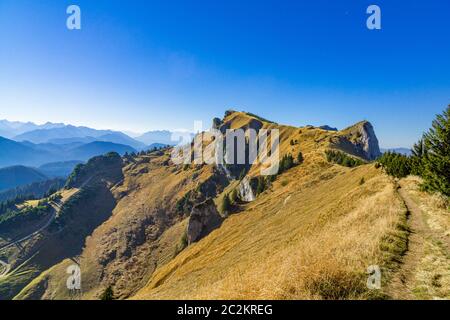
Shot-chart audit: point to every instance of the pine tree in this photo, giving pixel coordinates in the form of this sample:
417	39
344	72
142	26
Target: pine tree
300	158
417	158
436	168
108	294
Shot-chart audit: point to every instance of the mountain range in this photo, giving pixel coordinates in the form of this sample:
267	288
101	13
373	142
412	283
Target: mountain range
30	154
405	151
29	144
60	133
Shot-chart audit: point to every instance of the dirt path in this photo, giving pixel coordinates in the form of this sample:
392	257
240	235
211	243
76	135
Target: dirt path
56	207
404	282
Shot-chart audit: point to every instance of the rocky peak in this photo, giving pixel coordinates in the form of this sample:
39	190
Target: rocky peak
204	219
368	141
360	140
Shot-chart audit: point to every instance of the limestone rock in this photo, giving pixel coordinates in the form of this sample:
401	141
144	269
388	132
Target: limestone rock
204	219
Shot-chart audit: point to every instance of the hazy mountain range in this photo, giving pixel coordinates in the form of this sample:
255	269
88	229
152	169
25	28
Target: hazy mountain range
405	151
60	133
29	144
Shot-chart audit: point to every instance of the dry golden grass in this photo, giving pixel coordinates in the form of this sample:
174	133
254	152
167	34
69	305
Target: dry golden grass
436	207
311	235
312	239
431	271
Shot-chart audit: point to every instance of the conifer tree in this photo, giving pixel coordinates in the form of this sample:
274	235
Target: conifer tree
436	163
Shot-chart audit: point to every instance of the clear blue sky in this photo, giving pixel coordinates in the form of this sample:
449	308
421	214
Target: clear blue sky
142	65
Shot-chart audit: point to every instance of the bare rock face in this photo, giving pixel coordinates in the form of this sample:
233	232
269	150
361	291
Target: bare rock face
216	123
245	190
204	219
360	140
368	141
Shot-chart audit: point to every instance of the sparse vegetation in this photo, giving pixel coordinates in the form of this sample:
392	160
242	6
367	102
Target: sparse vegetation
322	263
233	197
286	163
225	206
300	158
342	159
258	117
108	294
182	245
16	217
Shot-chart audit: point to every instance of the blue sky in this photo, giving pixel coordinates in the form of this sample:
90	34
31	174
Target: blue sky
144	65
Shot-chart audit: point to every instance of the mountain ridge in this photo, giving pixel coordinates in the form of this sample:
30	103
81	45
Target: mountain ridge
158	204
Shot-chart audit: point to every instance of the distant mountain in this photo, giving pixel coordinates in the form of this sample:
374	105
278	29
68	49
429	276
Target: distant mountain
96	148
74	140
70	134
10	129
69	131
15	153
59	169
157	146
405	151
162	136
121	138
12	177
34	155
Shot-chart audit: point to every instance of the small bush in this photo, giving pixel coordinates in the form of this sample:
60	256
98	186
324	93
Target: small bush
300	158
225	206
108	294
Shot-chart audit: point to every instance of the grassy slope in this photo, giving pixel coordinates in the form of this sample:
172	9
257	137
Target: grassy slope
142	233
427	268
312	235
320	240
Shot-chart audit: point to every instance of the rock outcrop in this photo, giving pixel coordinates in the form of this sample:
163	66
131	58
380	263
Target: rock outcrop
245	190
367	141
204	219
360	140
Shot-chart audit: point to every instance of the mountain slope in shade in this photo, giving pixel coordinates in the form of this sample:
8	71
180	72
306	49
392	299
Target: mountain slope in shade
12	177
14	153
34	155
59	169
96	148
36	189
121	138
